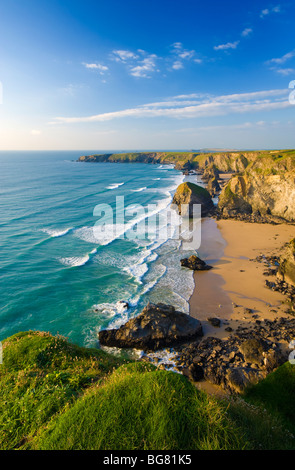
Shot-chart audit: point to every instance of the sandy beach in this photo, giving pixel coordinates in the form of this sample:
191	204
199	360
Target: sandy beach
236	281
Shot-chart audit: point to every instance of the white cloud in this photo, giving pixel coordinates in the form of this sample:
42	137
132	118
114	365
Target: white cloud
183	54
229	45
264	12
283	59
177	65
246	32
145	67
267	11
100	67
123	55
186	54
35	132
265	100
285	72
276	9
177	45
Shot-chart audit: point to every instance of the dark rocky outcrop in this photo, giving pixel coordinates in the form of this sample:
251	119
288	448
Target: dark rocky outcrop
192	194
286	271
157	326
195	263
248	355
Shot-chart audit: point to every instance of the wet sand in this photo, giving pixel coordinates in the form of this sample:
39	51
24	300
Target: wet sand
229	246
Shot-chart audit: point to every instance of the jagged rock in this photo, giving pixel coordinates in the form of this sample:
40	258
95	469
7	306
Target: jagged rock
156	327
213	186
190	194
195	263
286	271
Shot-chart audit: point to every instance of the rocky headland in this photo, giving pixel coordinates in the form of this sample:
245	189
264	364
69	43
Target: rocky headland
253	186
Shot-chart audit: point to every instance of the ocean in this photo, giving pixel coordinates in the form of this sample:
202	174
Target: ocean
55	274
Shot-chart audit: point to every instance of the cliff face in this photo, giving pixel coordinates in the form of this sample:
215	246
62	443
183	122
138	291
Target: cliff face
267	186
263	181
273	194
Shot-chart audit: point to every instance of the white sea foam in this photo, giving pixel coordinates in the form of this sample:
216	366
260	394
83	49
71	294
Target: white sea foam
114	185
54	233
138	190
73	261
86	234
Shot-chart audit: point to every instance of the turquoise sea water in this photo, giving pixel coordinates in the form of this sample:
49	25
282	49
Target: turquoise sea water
55	275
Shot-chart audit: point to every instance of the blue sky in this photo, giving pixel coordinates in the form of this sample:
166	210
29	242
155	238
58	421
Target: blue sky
140	75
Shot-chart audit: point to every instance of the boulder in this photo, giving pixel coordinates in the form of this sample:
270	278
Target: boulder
214	321
189	194
195	263
253	349
239	378
157	326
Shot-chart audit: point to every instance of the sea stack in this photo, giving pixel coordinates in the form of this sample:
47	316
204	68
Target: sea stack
190	193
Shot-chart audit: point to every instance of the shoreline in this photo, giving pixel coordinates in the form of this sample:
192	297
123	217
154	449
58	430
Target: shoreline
236	282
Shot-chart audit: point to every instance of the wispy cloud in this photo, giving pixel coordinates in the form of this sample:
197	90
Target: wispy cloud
286	71
177	65
276	63
102	69
203	107
246	32
145	67
283	59
228	45
95	66
123	55
181	54
268	11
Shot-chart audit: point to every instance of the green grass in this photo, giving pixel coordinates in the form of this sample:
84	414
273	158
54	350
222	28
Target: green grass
56	395
141	408
277	393
266	411
40	377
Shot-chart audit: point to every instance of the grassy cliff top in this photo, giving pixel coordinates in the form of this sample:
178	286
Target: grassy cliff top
188	187
56	395
259	160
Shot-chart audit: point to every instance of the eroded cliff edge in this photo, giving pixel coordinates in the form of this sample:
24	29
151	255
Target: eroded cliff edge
262	182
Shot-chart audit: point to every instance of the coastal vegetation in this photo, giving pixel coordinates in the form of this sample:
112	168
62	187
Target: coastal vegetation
56	395
262	181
